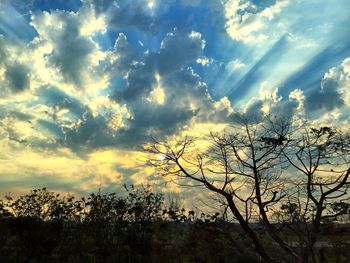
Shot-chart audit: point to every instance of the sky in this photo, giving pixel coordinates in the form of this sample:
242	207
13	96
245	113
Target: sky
83	84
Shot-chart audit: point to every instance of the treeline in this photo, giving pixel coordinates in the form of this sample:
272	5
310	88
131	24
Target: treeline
43	226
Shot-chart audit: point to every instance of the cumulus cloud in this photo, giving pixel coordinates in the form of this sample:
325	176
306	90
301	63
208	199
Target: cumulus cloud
330	103
162	92
268	101
14	74
83	127
333	90
248	21
71	51
177	50
121	58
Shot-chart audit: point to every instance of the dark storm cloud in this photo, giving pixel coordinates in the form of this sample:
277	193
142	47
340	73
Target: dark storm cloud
253	110
140	81
71	56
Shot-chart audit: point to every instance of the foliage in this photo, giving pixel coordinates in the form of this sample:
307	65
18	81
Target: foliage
110	228
44	205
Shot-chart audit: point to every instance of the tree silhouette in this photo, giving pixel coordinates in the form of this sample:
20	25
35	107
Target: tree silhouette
254	171
103	227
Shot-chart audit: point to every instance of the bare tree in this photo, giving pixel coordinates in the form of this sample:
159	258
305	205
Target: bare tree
250	170
321	156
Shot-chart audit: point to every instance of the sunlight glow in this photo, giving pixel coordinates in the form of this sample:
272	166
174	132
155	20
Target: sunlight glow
151	4
94	24
157	95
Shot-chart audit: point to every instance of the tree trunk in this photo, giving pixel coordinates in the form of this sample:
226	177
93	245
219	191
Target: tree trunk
243	223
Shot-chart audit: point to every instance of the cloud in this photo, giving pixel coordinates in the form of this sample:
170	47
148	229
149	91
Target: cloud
82	127
121	58
163	94
17	76
177	49
63	170
82	93
58	100
139	13
268	101
248	21
71	50
327	97
330	103
235	64
14	74
327	104
2	50
333	90
162	73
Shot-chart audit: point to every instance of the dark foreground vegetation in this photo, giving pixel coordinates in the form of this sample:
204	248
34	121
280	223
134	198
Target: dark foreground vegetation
44	227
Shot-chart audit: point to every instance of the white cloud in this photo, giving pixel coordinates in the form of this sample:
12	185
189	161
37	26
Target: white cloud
235	64
71	56
248	23
341	76
204	61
